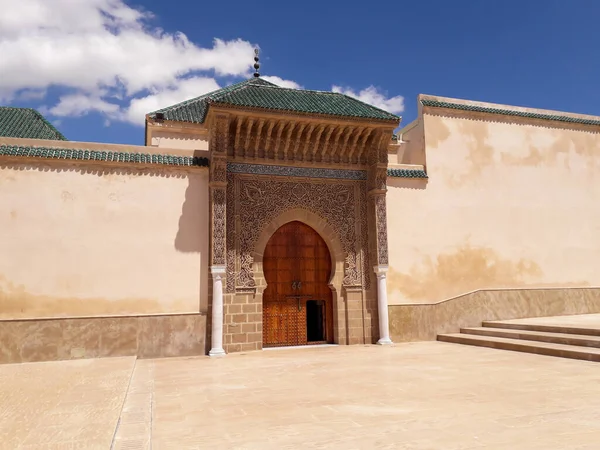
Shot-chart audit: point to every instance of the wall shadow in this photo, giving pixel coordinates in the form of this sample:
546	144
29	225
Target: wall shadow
193	231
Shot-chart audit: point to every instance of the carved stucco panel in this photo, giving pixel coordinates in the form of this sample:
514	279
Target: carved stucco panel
232	231
259	200
218	226
381	224
363	233
218	168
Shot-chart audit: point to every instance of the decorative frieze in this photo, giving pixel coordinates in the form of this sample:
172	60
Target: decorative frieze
302	140
302	172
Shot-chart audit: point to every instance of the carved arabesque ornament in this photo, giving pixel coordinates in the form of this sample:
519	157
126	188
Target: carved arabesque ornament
377	190
218	168
218	176
259	200
381	221
218	231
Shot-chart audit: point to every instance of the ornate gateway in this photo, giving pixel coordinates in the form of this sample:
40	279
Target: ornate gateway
318	159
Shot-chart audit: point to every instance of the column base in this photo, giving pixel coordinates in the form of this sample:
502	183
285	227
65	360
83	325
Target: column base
216	352
386	341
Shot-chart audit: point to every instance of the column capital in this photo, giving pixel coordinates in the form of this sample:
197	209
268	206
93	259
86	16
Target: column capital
218	270
381	269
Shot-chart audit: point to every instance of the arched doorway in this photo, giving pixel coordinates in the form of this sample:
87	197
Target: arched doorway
297	303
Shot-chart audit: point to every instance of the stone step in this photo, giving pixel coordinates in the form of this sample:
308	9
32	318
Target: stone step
539	348
541	336
549	328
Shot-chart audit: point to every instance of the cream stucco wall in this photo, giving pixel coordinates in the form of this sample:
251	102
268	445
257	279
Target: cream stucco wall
506	205
165	139
412	148
177	135
89	240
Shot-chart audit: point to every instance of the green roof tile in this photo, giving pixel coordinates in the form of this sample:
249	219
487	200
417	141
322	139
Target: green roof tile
195	109
26	123
258	93
509	112
98	155
406	173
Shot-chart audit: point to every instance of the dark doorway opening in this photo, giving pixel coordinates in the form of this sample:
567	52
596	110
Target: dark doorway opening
315	315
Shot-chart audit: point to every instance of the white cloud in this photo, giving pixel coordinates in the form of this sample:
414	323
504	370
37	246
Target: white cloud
31	94
108	57
103	50
75	105
373	97
184	90
281	82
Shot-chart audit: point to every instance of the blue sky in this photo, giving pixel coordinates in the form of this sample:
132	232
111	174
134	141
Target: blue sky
536	53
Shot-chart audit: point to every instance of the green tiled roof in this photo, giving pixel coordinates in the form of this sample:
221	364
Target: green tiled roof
195	109
96	155
508	112
258	93
406	173
26	123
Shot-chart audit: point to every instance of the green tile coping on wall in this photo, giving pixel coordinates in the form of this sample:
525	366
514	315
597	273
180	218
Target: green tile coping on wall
98	155
407	173
141	158
508	112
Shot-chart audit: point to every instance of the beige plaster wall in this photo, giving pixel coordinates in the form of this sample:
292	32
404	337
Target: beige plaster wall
507	205
168	139
90	240
411	146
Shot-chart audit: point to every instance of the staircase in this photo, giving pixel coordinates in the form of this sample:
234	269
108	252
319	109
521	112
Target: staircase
542	336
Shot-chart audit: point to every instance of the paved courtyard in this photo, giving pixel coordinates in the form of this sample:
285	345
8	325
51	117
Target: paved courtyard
428	395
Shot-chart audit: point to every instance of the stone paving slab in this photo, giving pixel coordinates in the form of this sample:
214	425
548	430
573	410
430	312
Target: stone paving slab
62	404
427	395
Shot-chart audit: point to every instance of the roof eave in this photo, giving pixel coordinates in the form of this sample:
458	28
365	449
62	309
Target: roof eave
393	122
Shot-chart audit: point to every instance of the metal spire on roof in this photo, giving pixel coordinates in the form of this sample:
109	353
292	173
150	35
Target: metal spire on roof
256	64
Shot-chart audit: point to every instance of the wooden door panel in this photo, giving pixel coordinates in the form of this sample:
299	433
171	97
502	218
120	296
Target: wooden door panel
295	253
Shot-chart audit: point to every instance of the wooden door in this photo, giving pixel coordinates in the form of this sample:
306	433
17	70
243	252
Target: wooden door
297	267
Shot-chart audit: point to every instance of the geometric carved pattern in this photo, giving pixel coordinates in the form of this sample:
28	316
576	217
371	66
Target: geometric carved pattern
259	200
290	171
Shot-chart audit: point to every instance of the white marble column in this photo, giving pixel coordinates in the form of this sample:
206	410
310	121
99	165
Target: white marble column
217	311
382	305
